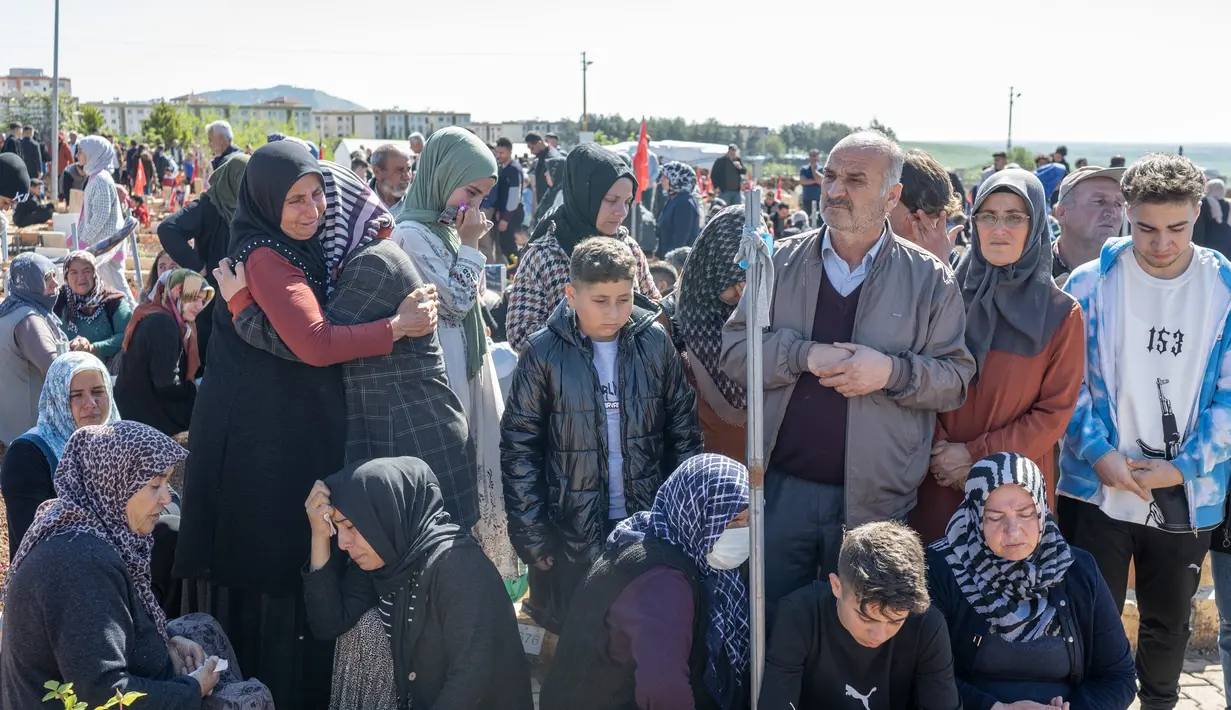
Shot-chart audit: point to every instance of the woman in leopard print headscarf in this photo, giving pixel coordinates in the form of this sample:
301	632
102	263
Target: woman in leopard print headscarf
80	599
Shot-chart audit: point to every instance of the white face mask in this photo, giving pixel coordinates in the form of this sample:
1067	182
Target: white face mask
730	549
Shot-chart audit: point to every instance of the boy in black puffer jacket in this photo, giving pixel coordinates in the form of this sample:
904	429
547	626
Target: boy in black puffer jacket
598	415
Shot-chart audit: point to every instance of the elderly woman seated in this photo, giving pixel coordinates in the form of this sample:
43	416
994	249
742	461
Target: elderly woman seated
1031	621
79	601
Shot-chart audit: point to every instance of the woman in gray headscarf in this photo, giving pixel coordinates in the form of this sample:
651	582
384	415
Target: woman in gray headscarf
30	338
101	215
1026	337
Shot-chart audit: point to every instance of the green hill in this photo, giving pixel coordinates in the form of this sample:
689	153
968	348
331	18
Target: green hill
311	98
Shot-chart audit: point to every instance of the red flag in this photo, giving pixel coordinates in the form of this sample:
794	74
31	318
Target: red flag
641	162
778	193
139	181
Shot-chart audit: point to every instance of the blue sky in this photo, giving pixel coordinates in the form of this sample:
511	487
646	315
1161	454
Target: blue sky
1088	70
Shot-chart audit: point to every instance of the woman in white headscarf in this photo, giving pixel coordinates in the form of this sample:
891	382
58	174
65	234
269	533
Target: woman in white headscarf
101	215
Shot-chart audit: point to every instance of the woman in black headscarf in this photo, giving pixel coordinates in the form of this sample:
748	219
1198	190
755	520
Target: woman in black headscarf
598	189
423	616
265	428
1026	336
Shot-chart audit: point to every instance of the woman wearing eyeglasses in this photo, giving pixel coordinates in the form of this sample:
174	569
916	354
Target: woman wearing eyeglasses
1026	337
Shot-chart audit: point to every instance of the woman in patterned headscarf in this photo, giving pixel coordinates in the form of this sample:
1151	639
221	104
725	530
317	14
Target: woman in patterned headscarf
155	384
1030	617
94	315
77	393
709	290
680	221
637	607
197	236
81	579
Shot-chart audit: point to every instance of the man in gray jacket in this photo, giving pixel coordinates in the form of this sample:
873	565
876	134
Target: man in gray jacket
866	344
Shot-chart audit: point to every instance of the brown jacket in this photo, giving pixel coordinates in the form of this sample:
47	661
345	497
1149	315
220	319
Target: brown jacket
1020	404
722	426
911	309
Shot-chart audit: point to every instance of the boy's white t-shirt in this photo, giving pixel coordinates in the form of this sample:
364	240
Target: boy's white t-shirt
608	378
1164	328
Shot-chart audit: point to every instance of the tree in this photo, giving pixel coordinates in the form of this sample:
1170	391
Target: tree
878	126
1022	156
91	121
830	133
775	147
164	125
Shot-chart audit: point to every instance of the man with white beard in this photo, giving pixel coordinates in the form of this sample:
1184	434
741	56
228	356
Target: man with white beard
391	168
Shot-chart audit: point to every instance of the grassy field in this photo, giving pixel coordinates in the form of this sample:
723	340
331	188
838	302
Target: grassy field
953	155
958	156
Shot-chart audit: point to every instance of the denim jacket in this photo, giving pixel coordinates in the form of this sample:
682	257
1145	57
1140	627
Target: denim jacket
1092	433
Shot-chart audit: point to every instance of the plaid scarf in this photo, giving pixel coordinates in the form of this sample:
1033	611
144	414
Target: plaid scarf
711	269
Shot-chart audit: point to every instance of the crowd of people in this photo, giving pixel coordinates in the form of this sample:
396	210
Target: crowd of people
324	440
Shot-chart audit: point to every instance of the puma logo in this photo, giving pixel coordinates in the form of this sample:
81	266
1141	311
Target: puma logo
851	692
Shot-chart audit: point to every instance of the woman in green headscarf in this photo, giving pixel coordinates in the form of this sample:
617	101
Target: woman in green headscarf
196	236
439	227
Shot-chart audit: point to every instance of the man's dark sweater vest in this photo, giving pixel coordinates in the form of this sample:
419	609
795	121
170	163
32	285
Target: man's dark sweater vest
583	675
811	442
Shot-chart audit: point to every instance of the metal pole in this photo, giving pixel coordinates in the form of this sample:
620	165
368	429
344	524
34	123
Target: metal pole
1009	142
132	240
756	438
585	113
55	115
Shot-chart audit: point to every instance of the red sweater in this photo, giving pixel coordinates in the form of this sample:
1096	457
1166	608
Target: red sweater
283	293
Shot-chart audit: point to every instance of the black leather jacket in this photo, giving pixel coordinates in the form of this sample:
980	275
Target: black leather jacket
553	444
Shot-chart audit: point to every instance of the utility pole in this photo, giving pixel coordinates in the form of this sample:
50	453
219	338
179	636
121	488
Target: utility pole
54	146
1012	97
585	114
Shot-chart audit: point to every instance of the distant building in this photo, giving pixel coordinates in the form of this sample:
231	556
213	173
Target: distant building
390	124
20	81
513	130
125	118
278	111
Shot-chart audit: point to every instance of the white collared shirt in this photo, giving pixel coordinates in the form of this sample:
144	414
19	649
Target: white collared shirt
839	272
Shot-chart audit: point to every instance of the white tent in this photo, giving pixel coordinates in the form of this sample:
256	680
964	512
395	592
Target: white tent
346	146
698	155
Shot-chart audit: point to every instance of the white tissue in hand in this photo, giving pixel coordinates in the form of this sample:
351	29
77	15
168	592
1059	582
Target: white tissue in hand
222	666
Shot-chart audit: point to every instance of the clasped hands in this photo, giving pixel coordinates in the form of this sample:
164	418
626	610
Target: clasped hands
1138	476
852	370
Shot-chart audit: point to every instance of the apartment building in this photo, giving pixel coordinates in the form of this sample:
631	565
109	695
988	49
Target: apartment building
22	80
390	124
513	130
